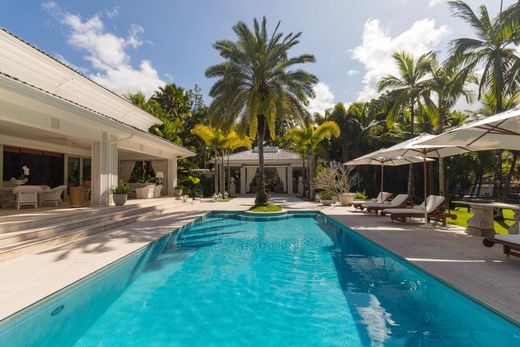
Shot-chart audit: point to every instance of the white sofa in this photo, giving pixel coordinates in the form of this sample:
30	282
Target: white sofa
146	192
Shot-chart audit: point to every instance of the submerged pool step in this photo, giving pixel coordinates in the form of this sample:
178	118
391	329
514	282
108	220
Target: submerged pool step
40	239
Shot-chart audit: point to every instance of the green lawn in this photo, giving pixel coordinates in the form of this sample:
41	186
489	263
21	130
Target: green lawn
268	208
463	216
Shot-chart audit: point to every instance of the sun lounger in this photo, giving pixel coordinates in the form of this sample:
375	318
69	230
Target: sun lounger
399	201
381	197
511	243
435	210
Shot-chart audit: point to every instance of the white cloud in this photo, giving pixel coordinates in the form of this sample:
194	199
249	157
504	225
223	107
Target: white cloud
352	72
323	100
107	52
112	13
433	3
376	50
66	62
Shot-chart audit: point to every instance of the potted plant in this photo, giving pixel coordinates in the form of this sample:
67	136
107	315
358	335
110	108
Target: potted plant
120	194
327	197
337	178
177	191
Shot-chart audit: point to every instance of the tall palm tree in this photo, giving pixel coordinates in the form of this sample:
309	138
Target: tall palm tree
256	85
449	83
408	90
311	138
493	50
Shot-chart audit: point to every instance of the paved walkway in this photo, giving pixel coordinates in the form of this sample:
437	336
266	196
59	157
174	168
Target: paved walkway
447	253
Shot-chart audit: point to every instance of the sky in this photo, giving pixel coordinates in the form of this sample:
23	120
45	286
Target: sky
137	45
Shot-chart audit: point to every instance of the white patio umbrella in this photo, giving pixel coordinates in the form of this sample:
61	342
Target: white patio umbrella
380	159
416	147
501	131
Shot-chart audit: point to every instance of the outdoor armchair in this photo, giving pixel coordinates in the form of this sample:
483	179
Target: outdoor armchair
52	196
146	192
381	197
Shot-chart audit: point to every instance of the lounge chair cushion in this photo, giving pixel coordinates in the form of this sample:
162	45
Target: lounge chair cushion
396	202
509	238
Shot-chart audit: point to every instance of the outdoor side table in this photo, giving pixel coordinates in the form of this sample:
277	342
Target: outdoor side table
76	196
482	223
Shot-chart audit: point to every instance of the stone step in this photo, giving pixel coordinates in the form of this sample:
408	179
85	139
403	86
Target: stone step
48	240
33	219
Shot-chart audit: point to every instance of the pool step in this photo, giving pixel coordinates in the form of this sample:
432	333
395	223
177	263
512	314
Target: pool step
33	240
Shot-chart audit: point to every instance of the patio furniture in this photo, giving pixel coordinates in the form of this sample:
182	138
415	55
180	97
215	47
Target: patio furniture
381	197
146	192
483	223
26	195
157	191
399	201
511	243
76	196
52	196
435	210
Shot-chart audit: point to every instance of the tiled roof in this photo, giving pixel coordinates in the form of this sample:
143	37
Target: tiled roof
270	153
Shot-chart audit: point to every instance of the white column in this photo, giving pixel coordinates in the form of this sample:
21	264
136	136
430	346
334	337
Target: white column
289	180
243	180
1	165
171	169
104	169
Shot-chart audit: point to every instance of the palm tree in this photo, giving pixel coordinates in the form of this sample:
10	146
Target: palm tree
408	90
310	138
233	142
493	50
256	86
449	83
174	100
215	140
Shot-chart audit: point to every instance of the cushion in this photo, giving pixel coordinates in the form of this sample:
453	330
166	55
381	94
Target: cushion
509	238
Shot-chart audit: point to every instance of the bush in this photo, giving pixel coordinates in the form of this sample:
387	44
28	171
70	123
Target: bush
121	189
361	196
327	195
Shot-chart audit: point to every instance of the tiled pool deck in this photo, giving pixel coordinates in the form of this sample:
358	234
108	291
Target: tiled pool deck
447	253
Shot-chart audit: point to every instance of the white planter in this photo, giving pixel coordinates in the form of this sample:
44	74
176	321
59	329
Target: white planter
119	199
327	202
347	199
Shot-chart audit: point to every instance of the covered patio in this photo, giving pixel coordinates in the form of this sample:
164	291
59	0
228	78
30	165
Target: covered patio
283	168
70	131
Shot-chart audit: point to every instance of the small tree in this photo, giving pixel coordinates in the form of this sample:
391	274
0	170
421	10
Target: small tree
336	177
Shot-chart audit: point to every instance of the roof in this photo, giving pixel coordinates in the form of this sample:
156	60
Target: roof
28	63
270	154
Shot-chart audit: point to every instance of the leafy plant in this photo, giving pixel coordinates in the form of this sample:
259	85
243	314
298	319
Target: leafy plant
327	195
361	196
121	189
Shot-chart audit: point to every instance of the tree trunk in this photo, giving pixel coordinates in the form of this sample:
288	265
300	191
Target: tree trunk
304	174
228	175
261	195
441	160
215	178
509	178
223	177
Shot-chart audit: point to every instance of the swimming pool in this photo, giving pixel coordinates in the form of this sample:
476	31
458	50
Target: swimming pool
298	279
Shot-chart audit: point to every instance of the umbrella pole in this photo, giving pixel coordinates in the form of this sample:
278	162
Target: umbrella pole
382	179
425	185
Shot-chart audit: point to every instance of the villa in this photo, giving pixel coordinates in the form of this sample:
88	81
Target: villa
153	219
69	129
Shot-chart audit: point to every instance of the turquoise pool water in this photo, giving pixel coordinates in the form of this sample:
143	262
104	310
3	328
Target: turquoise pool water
300	280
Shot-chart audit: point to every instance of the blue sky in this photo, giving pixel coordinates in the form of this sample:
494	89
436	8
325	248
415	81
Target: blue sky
139	45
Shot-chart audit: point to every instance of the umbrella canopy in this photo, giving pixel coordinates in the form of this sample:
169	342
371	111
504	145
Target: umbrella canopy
420	146
501	131
379	158
416	146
